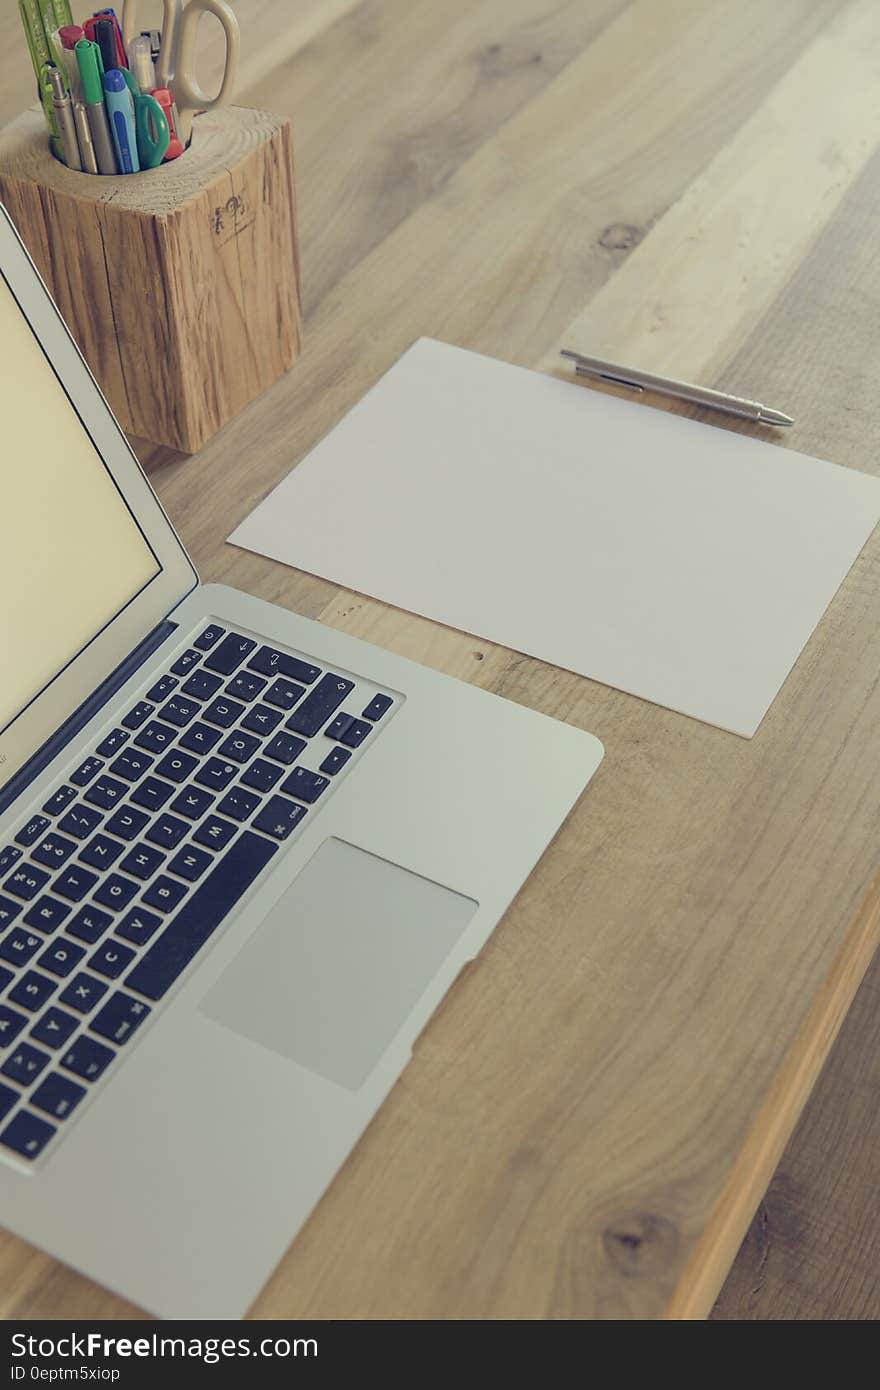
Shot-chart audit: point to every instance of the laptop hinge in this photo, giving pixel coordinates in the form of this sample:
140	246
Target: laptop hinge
81	716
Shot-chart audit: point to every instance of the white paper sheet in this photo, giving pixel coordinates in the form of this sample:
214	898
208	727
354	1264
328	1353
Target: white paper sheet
679	562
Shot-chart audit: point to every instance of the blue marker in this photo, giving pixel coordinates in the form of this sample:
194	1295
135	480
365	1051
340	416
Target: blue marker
120	109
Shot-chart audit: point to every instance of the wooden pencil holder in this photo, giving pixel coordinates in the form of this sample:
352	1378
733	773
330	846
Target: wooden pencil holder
181	284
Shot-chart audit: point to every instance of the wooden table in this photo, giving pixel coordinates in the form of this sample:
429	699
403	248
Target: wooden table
593	1115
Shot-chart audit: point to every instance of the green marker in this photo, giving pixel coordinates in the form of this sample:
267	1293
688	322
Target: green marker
91	70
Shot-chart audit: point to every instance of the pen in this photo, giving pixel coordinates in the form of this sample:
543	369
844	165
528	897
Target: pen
84	137
64	117
70	36
105	38
49	110
88	57
91	30
120	107
636	380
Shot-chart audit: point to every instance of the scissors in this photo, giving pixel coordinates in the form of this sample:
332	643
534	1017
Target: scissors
150	123
175	66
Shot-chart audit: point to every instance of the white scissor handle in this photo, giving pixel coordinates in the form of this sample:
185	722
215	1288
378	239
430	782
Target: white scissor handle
188	95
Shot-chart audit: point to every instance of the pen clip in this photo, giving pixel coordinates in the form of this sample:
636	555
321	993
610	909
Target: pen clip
590	374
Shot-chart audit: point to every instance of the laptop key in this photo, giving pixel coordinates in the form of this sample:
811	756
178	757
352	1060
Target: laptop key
101	851
339	726
138	926
284	694
214	832
57	1096
18	945
285	748
162	689
239	746
216	773
223	712
74	883
27	1134
139	715
152	793
202	912
262	719
53	850
86	771
142	861
270	662
210	637
379	705
33	991
32	831
54	1028
112	743
9	856
179	711
306	785
110	959
11	1024
60	958
119	1017
83	993
89	924
106	792
25	1064
167	831
184	664
155	737
80	821
164	893
46	914
319	704
59	801
127	823
8	1098
116	892
26	882
246	686
87	1058
200	738
192	802
279	817
261	775
190	863
176	766
5	976
238	803
335	761
132	765
356	733
228	656
9	910
201	685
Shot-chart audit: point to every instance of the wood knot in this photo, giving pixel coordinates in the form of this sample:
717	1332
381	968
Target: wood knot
621	236
640	1244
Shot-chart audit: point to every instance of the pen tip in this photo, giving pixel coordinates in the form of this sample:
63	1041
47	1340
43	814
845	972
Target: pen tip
774	417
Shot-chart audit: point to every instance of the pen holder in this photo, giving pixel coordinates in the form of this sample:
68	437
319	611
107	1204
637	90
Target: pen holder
180	285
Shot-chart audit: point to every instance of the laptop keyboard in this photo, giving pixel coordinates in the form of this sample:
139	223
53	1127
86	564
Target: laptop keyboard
111	888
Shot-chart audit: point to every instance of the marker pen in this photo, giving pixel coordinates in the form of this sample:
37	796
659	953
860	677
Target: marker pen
89	59
70	36
120	108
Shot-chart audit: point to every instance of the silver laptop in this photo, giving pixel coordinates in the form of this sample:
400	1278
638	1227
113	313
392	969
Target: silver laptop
242	858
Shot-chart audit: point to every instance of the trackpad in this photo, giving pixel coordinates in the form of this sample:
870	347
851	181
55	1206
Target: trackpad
340	961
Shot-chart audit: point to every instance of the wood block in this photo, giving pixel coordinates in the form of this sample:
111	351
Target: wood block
181	284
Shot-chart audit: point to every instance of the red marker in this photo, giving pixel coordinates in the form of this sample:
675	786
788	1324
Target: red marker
89	30
166	101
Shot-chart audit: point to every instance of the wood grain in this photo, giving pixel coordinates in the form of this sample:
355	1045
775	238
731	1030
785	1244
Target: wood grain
588	1121
185	300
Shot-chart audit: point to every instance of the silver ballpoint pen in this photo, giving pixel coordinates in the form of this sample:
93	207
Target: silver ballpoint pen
679	390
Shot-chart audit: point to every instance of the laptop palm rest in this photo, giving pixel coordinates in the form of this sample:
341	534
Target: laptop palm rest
338	964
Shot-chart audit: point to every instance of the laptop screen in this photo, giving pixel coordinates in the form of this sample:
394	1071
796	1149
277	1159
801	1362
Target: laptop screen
72	555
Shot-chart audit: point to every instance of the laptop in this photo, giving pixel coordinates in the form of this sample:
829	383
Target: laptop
242	859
